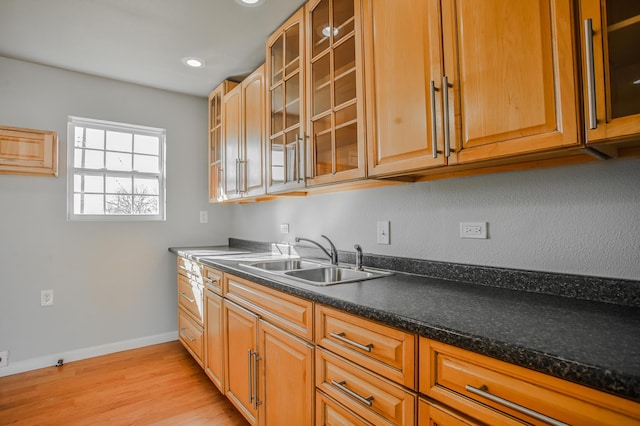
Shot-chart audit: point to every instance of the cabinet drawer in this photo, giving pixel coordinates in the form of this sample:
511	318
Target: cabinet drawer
370	396
288	312
212	279
431	414
190	268
385	350
470	382
190	297
331	413
190	334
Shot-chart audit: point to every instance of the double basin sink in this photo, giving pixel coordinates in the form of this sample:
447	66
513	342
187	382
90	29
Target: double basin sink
315	273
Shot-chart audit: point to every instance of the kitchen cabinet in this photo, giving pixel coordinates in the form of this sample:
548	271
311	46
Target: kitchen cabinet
213	327
449	83
244	131
190	307
285	82
496	392
216	146
335	92
363	366
432	414
402	124
269	369
28	152
610	33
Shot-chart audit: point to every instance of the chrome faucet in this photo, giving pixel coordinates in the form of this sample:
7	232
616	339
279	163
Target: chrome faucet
358	266
333	255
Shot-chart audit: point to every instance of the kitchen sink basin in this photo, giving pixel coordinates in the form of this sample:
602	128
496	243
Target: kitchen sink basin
284	265
314	273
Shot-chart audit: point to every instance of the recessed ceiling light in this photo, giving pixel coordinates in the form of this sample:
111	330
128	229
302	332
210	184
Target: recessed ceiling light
250	3
193	62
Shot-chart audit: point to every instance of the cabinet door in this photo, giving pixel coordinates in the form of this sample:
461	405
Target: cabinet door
28	152
232	129
240	333
214	339
611	68
509	75
215	146
286	380
252	141
285	81
335	92
403	131
430	414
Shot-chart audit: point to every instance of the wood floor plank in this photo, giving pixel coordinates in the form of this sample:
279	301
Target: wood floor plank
159	385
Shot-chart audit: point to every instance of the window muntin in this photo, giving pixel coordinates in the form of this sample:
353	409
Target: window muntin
116	171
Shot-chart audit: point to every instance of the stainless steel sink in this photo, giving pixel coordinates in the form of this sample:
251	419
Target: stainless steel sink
329	275
283	265
315	273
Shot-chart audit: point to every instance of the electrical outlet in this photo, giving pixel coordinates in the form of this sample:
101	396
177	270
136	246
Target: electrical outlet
4	358
382	235
284	228
473	230
46	297
204	217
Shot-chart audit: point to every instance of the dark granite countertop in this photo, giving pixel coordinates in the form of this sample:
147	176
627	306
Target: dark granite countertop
587	342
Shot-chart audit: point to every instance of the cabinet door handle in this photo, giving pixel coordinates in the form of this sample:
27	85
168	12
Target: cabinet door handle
591	79
184	333
432	91
342	386
250	370
445	114
483	392
340	336
187	297
300	146
209	280
256	358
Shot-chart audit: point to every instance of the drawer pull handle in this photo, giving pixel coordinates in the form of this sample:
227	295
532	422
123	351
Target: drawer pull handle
209	280
184	333
483	392
187	297
340	336
342	386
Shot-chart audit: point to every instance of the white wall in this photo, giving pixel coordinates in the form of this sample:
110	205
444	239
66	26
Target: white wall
582	219
113	282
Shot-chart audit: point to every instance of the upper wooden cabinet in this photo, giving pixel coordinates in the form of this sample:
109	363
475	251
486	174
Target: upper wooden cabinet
216	146
28	152
610	33
244	130
335	92
401	131
285	99
507	83
449	82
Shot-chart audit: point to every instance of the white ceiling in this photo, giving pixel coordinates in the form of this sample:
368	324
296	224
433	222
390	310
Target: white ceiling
143	41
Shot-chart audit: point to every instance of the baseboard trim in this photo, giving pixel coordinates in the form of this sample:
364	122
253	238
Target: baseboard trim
84	353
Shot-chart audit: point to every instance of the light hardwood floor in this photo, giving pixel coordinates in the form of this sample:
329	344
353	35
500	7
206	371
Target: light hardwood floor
159	385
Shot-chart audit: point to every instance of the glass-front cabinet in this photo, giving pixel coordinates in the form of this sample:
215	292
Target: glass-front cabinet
336	149
286	121
216	145
611	68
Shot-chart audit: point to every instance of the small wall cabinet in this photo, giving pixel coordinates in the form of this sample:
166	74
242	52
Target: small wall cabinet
216	145
28	152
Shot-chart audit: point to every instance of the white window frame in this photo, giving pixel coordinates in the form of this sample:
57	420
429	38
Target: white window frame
117	127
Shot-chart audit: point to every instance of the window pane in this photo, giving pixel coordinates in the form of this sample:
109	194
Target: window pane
119	161
119	204
146	204
88	204
145	163
118	141
146	186
93	138
144	144
88	159
118	185
85	184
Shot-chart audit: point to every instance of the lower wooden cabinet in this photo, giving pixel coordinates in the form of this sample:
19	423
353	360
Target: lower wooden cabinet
497	392
430	414
329	412
214	338
190	334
